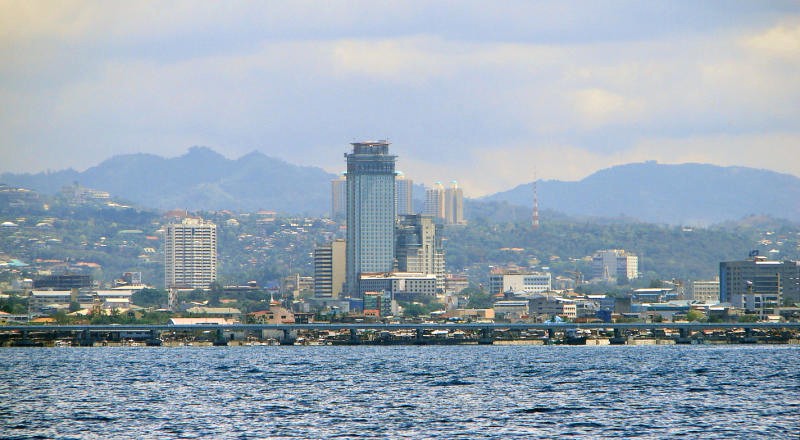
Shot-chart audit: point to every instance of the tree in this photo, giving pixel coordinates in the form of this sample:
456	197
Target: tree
61	317
14	305
149	298
414	309
695	315
748	318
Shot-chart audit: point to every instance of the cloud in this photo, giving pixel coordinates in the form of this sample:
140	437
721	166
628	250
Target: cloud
482	95
780	41
597	107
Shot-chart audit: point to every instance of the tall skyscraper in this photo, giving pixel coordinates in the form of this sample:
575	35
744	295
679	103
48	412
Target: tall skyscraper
190	254
454	205
419	247
339	197
403	193
370	211
434	202
329	269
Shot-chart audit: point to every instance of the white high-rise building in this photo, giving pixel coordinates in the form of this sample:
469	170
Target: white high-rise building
403	192
370	211
434	202
454	205
190	254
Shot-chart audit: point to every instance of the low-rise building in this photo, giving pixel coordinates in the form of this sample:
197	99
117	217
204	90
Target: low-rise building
552	306
653	295
610	265
379	304
477	315
220	312
42	301
512	309
519	282
274	315
455	283
665	310
705	292
410	283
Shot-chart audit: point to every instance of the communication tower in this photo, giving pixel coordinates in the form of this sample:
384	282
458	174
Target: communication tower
535	223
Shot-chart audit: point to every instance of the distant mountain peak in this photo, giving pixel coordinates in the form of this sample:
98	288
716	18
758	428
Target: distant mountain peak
255	154
202	153
200	179
691	193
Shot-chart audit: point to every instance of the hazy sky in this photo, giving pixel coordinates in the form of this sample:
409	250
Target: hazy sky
487	93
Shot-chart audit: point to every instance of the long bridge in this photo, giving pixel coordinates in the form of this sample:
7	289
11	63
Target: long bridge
86	334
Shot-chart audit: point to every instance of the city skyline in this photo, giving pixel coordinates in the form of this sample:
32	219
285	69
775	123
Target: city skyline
572	88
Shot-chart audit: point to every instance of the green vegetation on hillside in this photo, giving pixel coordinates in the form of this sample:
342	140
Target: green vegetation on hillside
107	240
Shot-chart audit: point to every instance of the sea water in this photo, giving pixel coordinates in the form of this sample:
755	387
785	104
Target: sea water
401	392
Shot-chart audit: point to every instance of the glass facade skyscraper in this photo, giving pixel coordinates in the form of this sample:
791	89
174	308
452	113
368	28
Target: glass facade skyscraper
370	211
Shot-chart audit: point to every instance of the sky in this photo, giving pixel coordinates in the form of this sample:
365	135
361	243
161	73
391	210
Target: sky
491	94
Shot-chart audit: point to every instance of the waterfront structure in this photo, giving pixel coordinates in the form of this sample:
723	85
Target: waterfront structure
611	265
370	211
211	320
519	282
759	276
454	205
403	195
419	247
434	202
706	292
339	197
329	269
190	254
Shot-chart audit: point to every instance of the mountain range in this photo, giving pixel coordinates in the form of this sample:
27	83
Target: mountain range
201	179
688	194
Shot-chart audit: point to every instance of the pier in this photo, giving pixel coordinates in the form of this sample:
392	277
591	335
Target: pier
409	333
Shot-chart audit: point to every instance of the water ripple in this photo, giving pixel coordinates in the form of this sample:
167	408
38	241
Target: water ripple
401	392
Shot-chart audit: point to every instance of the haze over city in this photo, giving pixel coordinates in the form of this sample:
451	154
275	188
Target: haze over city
558	89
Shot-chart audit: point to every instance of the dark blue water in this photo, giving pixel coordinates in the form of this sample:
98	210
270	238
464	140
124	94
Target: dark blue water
401	392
